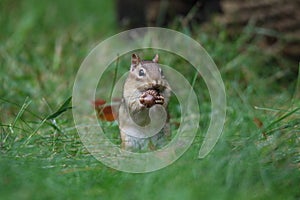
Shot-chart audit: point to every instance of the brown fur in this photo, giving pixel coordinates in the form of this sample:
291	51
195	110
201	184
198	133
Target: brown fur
136	108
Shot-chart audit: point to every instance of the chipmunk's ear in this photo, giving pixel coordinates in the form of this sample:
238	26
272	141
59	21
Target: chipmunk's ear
135	59
155	59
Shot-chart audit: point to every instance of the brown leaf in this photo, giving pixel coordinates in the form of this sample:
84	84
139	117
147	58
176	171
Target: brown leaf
258	122
104	111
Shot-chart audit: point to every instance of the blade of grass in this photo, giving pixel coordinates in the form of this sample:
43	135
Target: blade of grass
63	108
280	119
115	78
271	109
21	111
296	95
18	105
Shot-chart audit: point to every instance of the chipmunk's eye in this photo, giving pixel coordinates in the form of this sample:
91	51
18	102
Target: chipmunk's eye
141	72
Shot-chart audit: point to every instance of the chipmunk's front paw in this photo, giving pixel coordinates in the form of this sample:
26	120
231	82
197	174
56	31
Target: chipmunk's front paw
159	99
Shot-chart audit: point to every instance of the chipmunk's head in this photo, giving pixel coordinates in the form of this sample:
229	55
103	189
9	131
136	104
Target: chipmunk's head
146	84
147	74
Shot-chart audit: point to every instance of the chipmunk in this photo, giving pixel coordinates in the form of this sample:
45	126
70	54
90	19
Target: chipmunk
144	88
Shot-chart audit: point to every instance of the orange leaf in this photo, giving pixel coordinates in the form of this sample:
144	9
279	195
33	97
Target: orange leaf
258	122
105	112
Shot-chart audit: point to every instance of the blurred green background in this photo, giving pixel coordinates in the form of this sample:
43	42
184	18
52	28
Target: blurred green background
42	44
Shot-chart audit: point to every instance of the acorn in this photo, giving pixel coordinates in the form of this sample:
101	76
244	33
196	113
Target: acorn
147	100
151	97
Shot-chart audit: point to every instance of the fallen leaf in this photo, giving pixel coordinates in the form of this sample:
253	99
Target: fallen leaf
105	111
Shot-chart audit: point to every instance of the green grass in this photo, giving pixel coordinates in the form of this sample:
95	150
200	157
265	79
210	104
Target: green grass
42	45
